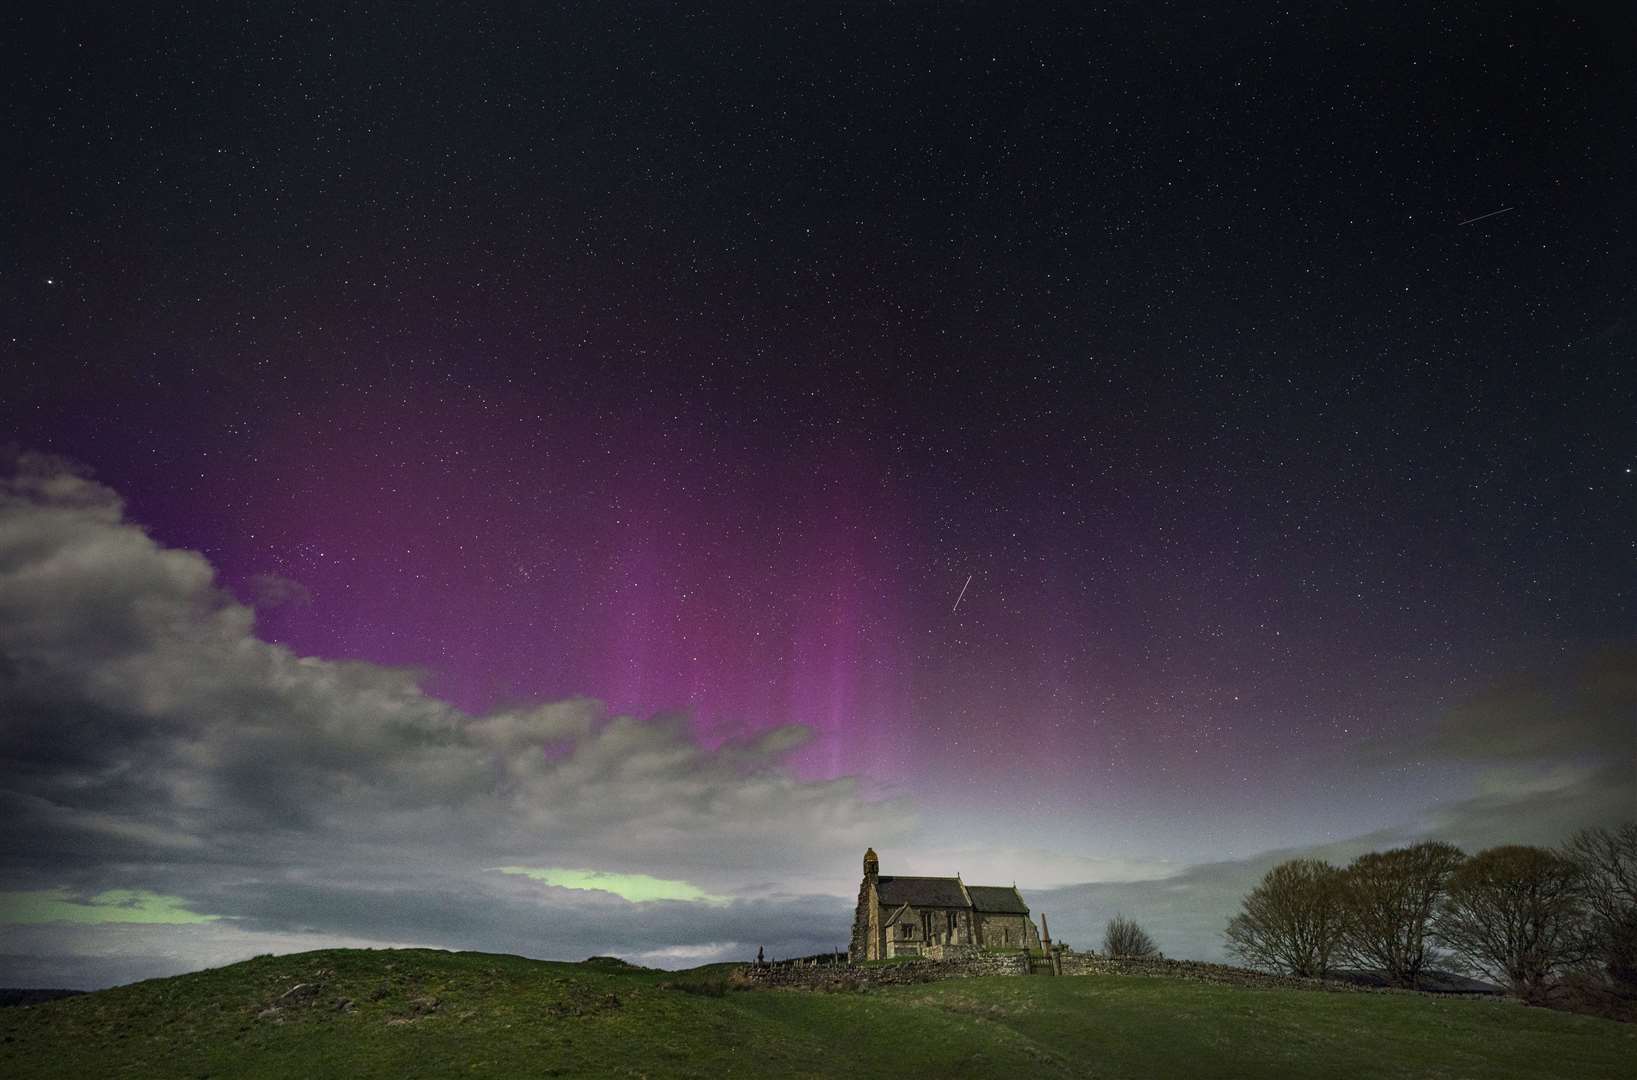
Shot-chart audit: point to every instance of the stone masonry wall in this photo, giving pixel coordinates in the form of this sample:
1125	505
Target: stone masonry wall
822	977
994	927
1093	964
854	976
858	948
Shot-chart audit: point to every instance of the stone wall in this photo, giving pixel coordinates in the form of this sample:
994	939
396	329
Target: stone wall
855	976
1092	964
859	976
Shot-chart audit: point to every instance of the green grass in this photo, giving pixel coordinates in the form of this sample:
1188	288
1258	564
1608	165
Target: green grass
419	1013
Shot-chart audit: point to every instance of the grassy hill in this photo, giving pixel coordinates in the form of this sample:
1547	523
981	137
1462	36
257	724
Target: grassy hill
417	1013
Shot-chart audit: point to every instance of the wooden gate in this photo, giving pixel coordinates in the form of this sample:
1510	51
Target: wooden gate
1040	965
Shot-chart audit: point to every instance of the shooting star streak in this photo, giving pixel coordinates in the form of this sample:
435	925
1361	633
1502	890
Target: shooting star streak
1480	217
961	597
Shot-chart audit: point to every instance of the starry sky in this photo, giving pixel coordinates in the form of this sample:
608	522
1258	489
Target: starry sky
1263	375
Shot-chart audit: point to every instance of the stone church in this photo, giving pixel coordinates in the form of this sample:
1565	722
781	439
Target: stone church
938	917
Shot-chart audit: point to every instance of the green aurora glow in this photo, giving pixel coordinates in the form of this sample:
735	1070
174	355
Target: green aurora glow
113	906
637	888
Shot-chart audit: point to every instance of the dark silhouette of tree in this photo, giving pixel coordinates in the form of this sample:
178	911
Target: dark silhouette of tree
1607	859
1390	899
1123	937
1513	913
1292	921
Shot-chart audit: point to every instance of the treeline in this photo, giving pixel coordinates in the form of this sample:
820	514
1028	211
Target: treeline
1545	923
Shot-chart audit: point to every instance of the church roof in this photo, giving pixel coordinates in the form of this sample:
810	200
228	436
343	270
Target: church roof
922	891
997	899
950	892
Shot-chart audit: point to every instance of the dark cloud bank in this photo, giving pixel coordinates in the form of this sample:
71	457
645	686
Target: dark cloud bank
151	741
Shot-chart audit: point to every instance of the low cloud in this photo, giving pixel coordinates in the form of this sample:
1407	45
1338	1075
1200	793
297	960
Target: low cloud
111	906
690	955
154	744
88	957
1555	752
274	590
637	888
1584	709
1031	867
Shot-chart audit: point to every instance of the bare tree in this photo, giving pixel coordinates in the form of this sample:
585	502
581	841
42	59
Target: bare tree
1123	937
1390	899
1513	913
1607	859
1292	921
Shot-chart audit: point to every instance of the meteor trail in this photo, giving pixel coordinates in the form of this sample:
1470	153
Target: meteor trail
958	599
1480	217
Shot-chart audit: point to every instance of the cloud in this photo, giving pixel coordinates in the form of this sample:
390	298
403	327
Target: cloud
1032	867
1585	709
274	590
637	888
1555	751
111	906
88	957
158	759
690	955
153	743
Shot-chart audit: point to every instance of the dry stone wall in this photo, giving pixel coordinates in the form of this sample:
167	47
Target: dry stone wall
1093	964
850	976
859	976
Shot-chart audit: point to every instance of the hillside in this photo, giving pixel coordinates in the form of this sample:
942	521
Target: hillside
417	1013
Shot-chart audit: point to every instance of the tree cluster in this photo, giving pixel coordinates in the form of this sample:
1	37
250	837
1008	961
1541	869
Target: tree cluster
1122	937
1291	922
1525	917
1607	859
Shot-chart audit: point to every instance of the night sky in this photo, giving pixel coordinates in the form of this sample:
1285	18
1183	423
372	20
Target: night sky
616	388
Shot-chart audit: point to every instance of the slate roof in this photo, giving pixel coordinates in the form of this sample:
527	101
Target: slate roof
948	892
997	900
921	891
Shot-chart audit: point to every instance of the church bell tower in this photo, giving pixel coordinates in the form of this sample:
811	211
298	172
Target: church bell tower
869	939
